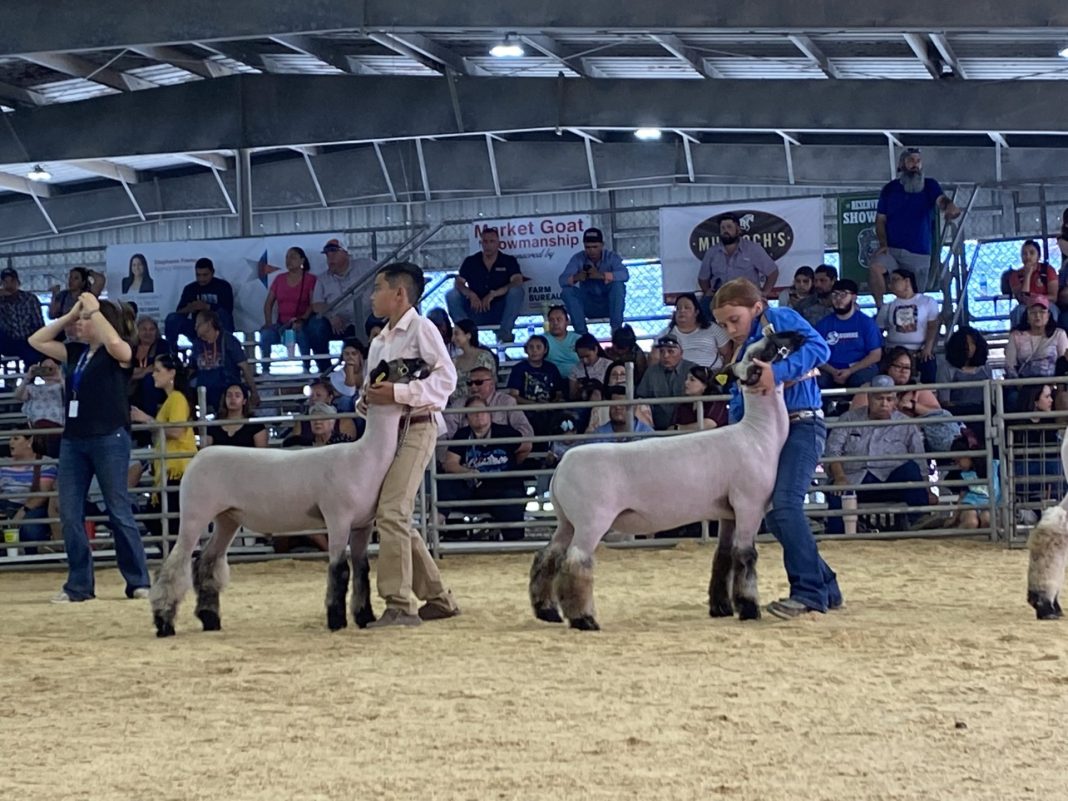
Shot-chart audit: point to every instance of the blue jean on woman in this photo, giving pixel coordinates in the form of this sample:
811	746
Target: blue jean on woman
108	458
812	582
271	335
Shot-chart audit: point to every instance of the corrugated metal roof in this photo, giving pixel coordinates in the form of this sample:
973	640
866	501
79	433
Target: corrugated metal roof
526	67
664	67
881	68
298	63
73	89
393	65
767	68
164	74
1044	69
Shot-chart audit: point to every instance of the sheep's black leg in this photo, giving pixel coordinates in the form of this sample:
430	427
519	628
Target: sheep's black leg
719	600
337	585
746	599
542	573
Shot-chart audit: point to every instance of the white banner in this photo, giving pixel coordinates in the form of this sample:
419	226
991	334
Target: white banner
248	264
791	231
542	245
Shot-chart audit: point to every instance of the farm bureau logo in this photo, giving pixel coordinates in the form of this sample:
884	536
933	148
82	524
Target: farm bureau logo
769	231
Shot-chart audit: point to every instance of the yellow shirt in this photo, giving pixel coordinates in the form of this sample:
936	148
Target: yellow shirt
175	410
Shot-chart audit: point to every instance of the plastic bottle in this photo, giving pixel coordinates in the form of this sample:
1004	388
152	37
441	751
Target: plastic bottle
290	339
984	286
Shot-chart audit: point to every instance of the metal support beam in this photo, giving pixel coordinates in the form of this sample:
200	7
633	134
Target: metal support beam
689	157
998	147
919	44
238	51
385	171
24	186
941	42
222	188
589	163
41	208
422	168
584	135
891	143
244	191
675	46
133	200
550	48
78	67
321	49
426	51
315	179
215	161
177	58
20	96
787	143
814	54
109	169
493	165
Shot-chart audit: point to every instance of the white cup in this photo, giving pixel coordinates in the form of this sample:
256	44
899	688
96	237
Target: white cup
849	504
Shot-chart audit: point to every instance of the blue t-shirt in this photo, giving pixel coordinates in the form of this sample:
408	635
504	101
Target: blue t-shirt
849	340
606	428
562	354
537	384
908	215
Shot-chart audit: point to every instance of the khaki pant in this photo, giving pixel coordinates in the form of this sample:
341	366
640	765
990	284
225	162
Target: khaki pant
405	566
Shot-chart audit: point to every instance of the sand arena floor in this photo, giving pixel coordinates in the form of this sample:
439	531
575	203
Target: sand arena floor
935	683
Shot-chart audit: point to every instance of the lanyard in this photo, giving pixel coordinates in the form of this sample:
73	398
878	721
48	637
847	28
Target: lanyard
79	371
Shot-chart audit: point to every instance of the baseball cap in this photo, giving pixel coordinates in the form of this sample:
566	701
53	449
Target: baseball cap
845	285
321	408
592	235
667	341
1039	300
883	382
9	272
333	245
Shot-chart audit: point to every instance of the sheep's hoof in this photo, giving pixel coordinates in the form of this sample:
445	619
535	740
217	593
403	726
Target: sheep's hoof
364	618
748	609
209	619
1045	609
720	609
548	614
164	628
584	623
335	618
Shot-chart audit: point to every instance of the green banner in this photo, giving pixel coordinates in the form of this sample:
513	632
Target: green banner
857	242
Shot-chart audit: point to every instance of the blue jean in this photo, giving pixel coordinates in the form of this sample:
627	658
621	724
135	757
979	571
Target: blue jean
271	335
176	324
906	471
595	299
502	312
859	378
108	457
319	332
812	582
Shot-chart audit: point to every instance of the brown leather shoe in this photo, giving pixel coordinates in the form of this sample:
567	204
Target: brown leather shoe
432	611
395	617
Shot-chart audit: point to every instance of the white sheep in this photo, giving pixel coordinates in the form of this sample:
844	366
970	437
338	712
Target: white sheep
1048	555
282	491
725	474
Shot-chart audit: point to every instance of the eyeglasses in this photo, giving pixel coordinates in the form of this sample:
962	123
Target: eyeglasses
841	293
477	382
900	366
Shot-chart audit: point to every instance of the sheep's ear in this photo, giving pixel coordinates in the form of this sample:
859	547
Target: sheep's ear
380	373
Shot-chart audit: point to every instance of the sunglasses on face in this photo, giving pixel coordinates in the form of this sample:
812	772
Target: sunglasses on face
477	382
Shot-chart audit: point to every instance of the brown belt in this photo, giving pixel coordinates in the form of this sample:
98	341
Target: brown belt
414	420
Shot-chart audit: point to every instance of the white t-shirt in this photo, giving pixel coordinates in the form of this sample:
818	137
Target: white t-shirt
905	321
701	346
337	381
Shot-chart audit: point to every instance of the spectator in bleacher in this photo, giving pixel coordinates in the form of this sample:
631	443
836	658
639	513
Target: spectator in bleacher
974	499
561	341
965	360
1037	441
665	379
734	256
325	429
471	355
18	479
96	439
234	406
700	381
373	326
616	376
169	375
79	280
481	462
219	360
1035	343
903	224
617	419
592	364
594	283
704	342
535	380
1033	278
206	293
321	393
143	392
624	348
20	316
41	394
819	305
853	337
800	291
340	323
482	383
488	288
876	442
292	292
911	321
347	378
440	318
137	277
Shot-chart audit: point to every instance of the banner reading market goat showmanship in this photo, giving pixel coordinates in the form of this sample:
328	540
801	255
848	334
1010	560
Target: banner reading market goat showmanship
791	231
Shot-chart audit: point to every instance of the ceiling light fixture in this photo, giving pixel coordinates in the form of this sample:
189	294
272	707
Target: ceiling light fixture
39	173
1063	52
509	48
647	134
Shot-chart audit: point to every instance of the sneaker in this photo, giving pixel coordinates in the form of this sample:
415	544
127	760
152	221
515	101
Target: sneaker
433	611
788	608
60	597
395	617
140	593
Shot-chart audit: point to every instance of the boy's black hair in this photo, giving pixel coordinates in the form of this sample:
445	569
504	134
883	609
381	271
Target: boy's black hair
408	275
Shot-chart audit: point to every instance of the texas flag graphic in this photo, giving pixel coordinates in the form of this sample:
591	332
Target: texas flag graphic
262	268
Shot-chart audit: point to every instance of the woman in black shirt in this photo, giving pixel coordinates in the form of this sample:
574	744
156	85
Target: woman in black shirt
234	405
96	439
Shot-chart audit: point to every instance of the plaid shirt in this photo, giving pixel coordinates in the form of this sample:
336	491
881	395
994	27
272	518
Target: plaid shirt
20	314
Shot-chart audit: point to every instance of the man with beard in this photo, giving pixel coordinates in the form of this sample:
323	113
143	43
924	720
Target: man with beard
733	257
903	224
818	305
855	341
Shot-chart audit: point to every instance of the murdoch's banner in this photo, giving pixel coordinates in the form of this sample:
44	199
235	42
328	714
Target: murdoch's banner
791	231
542	245
248	264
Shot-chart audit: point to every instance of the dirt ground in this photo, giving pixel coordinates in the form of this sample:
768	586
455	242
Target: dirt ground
935	682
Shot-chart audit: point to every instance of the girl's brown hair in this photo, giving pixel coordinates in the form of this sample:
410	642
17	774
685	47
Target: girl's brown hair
121	317
739	292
